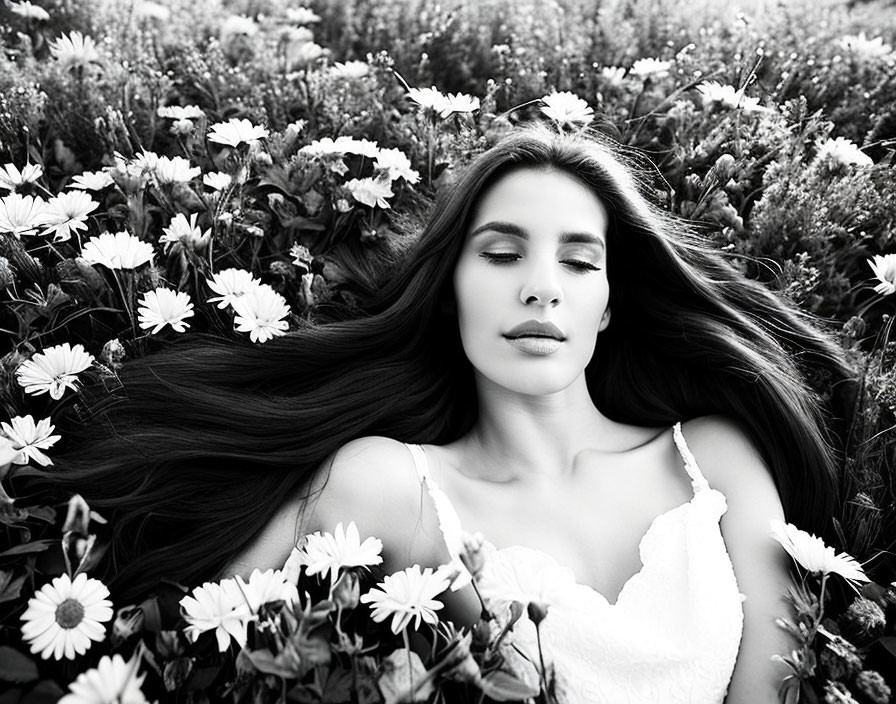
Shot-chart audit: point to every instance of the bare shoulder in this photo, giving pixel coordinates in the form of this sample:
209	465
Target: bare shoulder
727	456
373	481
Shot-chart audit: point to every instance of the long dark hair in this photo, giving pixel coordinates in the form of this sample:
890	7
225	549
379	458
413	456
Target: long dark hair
208	437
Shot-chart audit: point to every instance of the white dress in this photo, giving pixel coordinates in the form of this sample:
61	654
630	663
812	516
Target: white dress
674	632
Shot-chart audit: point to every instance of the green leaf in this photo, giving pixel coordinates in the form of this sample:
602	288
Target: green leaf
16	667
26	548
10	586
504	687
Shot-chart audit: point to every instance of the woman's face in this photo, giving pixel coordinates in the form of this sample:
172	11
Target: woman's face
531	281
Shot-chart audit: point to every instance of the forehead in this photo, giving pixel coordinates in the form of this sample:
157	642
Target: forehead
541	199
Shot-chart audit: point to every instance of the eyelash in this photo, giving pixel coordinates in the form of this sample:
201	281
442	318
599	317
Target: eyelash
509	257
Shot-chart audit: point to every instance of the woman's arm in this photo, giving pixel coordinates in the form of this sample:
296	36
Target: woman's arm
732	465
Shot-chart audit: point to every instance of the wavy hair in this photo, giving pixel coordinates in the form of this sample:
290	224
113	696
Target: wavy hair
208	437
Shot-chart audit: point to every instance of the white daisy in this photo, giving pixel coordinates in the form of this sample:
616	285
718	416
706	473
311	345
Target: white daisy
371	192
322	147
458	103
175	170
884	268
22	215
113	681
54	370
26	9
185	233
727	96
267	587
235	132
66	212
843	151
8	452
350	69
231	284
92	180
409	594
220	607
814	556
428	98
650	68
29	439
119	250
396	164
567	109
65	616
217	180
74	50
614	75
324	553
362	147
180	112
865	48
11	178
261	312
301	15
163	307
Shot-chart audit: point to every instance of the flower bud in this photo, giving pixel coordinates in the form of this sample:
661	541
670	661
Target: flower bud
471	556
347	591
863	621
537	611
873	686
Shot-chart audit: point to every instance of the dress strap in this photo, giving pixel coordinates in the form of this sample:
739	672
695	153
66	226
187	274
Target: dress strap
449	522
698	481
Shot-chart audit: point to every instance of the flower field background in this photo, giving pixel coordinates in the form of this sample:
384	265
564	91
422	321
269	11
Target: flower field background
242	167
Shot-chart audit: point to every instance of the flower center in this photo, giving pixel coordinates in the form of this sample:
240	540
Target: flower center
69	613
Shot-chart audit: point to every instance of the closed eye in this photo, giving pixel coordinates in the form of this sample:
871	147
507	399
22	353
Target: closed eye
580	265
501	257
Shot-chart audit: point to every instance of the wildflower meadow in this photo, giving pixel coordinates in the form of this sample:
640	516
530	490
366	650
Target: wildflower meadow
247	167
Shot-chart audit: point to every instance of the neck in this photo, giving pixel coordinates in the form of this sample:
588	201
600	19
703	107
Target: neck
520	437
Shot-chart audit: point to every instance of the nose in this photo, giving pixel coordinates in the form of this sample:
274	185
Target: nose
542	289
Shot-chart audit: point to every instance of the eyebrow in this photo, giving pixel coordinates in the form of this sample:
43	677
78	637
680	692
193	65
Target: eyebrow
508	228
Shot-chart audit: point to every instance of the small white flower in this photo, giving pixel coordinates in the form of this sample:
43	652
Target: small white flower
409	594
884	268
371	192
261	312
113	681
814	556
650	68
220	607
231	284
217	180
396	164
22	215
29	439
163	307
727	96
362	147
266	587
147	10
237	26
843	151
54	370
185	233
865	48
74	50
66	212
25	9
350	69
175	170
567	109
301	16
301	255
458	103
11	178
92	180
65	616
180	112
428	98
235	132
324	553
120	250
614	75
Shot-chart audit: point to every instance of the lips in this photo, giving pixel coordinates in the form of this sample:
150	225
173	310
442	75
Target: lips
535	328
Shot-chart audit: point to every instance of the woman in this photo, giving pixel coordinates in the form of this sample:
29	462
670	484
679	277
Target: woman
546	333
